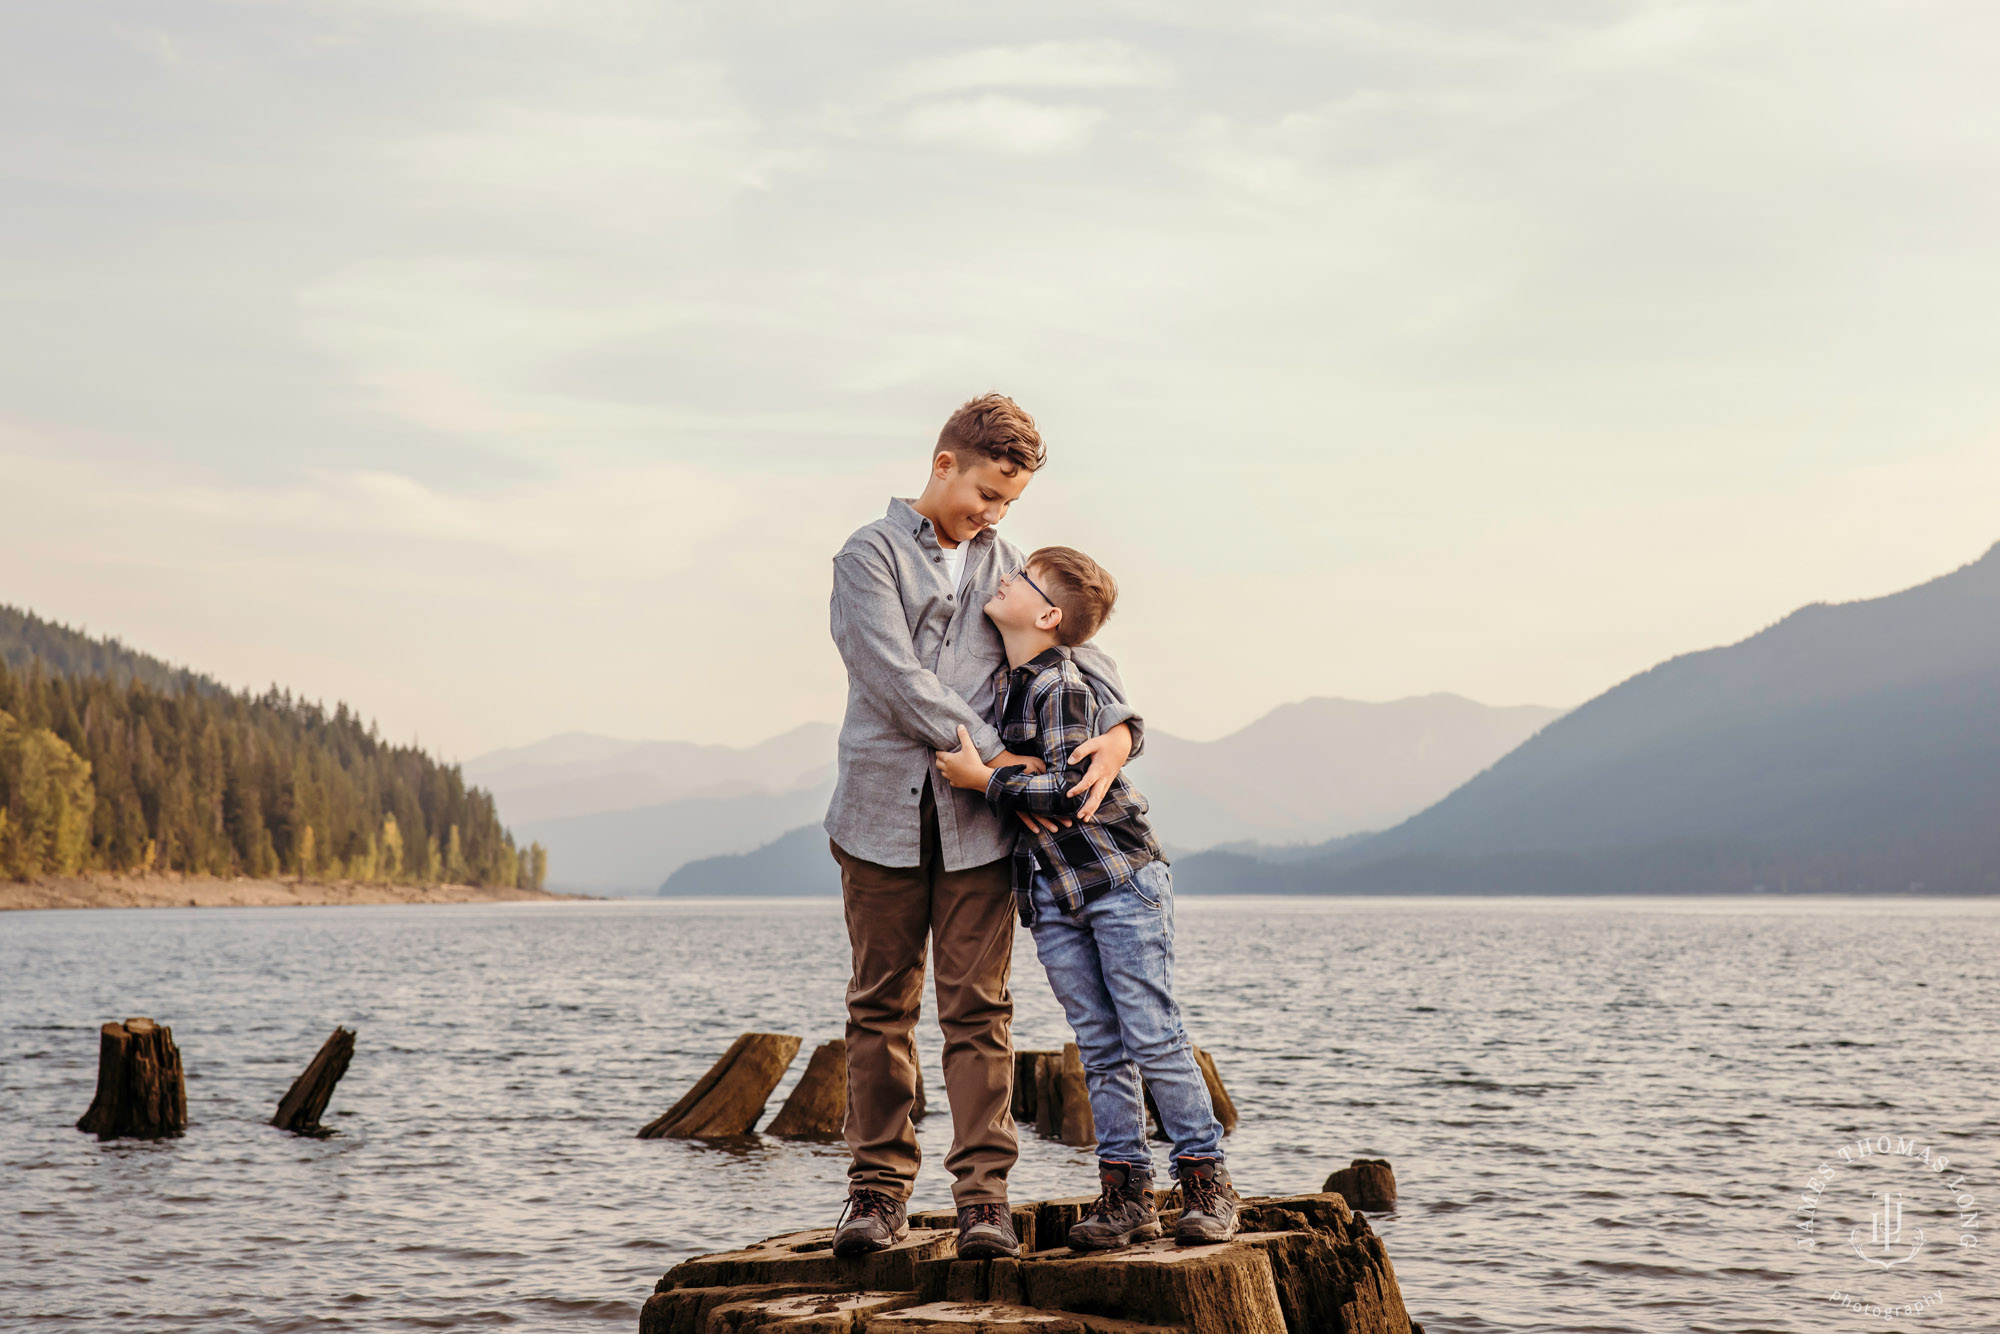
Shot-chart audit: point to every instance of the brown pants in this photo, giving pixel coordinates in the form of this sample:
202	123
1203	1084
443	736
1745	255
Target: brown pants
969	917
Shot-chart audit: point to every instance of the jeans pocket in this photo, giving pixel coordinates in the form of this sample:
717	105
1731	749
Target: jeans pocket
1151	884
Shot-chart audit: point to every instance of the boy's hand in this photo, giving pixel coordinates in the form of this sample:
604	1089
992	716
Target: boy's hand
1037	824
1007	759
1107	753
963	767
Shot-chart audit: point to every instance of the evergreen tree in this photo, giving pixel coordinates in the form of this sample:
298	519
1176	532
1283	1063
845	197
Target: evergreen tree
46	794
112	761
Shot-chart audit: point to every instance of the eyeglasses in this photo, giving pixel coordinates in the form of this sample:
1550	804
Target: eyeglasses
1022	574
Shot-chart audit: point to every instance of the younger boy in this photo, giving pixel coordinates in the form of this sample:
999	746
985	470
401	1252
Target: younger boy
1099	900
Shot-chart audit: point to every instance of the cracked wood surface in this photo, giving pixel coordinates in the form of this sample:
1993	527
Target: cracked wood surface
1304	1264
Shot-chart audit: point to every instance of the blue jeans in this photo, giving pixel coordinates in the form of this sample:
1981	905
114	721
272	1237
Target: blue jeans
1112	968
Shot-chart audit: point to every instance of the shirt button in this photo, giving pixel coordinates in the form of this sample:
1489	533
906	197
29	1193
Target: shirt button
937	560
913	792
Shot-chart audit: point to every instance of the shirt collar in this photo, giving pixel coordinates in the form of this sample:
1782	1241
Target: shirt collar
1044	660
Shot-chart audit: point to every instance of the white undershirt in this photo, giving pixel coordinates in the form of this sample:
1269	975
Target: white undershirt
954	564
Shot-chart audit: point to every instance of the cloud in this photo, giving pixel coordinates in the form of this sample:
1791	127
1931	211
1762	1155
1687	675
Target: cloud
394	305
946	111
1076	64
567	14
452	343
616	524
1007	125
618	168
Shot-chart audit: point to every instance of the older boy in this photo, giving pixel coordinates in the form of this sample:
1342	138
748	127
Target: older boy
1099	900
917	859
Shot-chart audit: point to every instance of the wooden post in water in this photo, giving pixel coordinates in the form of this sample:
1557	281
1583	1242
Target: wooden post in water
1225	1106
1365	1183
141	1092
1048	1094
818	1105
1049	1089
730	1097
302	1106
1076	1126
1024	1105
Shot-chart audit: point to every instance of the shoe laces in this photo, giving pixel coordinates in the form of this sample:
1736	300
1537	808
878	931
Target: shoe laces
1200	1192
866	1203
985	1215
1109	1191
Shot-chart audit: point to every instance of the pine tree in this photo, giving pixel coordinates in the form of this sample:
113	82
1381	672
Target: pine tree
145	767
46	792
392	849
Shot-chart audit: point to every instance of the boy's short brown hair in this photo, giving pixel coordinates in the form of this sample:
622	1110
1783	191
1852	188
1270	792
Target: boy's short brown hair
1084	590
994	426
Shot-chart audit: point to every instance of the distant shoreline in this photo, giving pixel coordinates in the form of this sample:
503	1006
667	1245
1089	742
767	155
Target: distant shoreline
175	891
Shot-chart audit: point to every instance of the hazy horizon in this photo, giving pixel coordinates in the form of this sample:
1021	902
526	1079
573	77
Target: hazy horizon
833	724
510	369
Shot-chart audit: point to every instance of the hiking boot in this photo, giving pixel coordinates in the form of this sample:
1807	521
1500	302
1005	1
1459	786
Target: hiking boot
1122	1213
986	1232
1208	1202
869	1221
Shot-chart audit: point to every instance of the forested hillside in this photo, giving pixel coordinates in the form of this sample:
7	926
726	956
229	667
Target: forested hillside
26	638
114	761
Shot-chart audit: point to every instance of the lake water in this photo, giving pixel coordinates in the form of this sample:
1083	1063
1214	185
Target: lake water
1602	1113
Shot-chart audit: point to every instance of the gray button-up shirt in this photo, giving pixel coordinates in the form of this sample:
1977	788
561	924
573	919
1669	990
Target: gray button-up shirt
922	660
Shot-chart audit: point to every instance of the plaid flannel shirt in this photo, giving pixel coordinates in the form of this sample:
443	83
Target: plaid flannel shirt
1050	711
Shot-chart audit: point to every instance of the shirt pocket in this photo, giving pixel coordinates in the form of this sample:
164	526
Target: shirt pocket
978	642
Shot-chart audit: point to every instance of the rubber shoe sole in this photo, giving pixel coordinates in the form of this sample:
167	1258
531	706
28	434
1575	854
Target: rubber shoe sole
1190	1238
1145	1232
856	1243
987	1249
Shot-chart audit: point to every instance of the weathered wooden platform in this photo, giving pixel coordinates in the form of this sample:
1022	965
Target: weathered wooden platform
1304	1264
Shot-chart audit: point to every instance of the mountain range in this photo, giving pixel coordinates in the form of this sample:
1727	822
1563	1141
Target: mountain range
1849	747
623	816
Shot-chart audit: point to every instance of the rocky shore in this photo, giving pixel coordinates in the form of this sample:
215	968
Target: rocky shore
174	891
1303	1263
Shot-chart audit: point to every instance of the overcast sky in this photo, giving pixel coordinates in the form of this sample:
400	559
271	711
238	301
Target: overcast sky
508	367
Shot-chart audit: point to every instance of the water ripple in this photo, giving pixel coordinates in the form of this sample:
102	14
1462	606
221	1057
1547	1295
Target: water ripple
1600	1112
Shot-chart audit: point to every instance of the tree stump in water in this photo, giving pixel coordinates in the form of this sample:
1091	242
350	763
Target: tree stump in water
818	1105
1366	1183
730	1097
305	1102
141	1092
1074	1125
1225	1106
1049	1090
1026	1063
1304	1264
